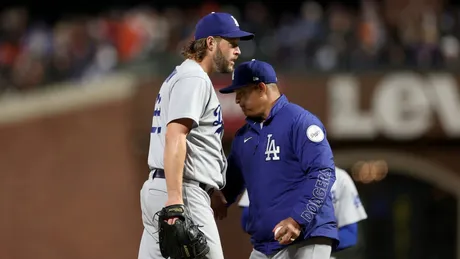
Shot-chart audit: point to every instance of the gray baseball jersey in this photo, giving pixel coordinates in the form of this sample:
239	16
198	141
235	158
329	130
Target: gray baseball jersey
345	197
188	93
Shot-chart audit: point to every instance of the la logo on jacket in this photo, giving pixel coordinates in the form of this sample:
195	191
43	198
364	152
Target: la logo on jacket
272	149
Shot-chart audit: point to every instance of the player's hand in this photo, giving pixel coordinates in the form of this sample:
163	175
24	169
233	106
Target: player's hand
173	201
219	204
286	231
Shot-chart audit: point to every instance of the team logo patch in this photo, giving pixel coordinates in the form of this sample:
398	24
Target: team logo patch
315	134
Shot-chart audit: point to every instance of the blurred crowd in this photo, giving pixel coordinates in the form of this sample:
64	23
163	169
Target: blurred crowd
315	38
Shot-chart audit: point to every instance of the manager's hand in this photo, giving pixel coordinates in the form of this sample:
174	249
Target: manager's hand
219	204
286	231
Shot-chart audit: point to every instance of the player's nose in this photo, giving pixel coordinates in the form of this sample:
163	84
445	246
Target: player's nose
237	51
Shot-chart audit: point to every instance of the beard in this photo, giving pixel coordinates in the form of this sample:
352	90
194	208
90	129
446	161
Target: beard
221	64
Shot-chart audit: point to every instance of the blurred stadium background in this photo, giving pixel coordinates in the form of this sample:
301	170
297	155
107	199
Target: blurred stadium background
78	80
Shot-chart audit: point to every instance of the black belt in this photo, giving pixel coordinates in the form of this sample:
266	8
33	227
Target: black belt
160	173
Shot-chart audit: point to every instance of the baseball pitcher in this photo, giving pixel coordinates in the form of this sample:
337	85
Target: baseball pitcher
186	158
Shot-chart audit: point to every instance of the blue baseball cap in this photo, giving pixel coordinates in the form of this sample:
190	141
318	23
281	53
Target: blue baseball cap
251	72
220	24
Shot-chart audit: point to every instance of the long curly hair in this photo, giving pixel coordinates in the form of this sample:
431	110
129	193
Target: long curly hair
196	49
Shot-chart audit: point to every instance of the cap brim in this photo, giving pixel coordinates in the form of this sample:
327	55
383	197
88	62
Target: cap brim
242	35
230	89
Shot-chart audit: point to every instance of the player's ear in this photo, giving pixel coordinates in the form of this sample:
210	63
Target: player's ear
262	87
211	43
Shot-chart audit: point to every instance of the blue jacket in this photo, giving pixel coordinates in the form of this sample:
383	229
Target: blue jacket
288	169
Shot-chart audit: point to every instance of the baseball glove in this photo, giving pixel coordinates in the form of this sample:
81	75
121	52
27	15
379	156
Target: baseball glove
183	239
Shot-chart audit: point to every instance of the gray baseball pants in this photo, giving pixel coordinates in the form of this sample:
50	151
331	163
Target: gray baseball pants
198	204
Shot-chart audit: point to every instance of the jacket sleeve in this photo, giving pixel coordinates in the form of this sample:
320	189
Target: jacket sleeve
234	179
316	159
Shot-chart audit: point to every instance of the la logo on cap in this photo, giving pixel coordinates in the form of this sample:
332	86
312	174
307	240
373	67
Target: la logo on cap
236	22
